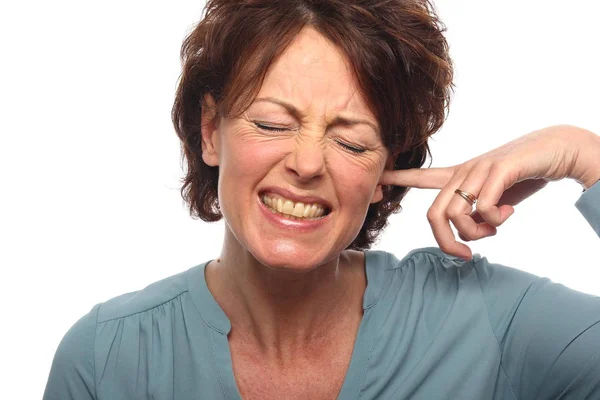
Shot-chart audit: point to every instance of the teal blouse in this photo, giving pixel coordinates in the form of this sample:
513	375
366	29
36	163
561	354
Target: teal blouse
434	327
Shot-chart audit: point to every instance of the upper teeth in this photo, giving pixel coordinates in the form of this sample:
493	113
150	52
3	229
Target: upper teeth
288	207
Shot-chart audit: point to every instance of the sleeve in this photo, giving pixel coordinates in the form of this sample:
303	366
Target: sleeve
548	334
72	372
588	205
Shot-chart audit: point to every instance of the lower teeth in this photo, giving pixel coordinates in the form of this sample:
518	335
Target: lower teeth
293	217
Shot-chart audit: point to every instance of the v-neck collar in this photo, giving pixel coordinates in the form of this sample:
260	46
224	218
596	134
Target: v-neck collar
214	316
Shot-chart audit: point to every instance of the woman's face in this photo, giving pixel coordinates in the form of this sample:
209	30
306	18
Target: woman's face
309	138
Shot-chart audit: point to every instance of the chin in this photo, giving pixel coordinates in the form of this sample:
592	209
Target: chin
294	257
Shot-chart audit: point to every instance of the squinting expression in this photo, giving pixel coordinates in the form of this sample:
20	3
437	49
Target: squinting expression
309	137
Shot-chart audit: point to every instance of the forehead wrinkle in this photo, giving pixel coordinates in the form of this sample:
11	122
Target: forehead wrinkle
303	76
315	141
317	65
284	85
352	108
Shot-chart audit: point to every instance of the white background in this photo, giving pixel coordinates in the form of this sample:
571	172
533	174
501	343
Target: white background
90	166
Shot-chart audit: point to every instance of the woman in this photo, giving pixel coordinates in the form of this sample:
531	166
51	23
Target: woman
303	124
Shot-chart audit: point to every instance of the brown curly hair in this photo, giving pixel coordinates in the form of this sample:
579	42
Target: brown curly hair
396	48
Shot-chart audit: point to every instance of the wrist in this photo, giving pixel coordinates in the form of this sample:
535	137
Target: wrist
586	186
586	168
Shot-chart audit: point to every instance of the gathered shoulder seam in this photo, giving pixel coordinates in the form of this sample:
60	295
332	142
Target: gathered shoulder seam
402	263
144	310
428	250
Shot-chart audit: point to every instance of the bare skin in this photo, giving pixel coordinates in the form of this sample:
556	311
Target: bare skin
308	367
294	297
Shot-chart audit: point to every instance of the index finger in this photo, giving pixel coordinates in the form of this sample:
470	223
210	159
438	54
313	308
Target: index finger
423	178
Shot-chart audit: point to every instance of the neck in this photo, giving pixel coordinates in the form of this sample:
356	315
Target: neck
280	311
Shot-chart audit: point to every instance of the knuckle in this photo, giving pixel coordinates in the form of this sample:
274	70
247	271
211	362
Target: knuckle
433	214
469	236
499	168
482	206
486	212
445	248
479	234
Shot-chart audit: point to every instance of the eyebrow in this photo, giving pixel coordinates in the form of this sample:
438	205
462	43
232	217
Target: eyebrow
337	121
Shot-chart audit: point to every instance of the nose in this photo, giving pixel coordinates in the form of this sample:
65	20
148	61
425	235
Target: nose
306	162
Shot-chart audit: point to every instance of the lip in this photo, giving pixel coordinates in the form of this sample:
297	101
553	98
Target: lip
295	197
294	224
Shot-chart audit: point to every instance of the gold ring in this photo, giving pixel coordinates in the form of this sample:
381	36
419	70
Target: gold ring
467	196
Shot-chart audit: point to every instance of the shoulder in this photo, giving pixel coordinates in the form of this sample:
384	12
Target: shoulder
125	305
431	267
139	301
114	328
422	259
432	278
72	371
428	259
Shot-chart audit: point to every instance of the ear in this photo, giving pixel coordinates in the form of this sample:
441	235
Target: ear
210	131
378	194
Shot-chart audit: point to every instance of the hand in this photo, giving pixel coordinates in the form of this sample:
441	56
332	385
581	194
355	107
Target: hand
500	179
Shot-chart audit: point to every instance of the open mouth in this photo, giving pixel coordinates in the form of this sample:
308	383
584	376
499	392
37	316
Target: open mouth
294	210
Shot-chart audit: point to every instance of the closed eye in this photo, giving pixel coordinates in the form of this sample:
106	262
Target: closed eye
353	149
270	128
356	150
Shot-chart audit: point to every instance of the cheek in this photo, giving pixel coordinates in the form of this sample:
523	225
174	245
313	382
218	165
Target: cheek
354	184
247	158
